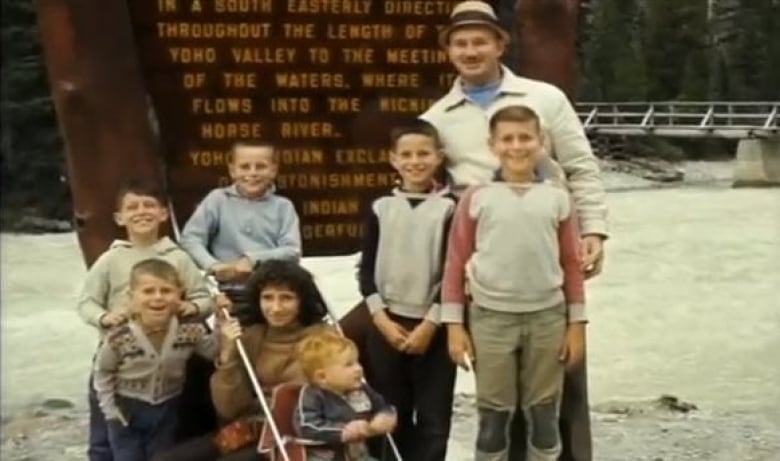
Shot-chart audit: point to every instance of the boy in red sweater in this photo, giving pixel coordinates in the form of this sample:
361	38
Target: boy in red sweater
514	245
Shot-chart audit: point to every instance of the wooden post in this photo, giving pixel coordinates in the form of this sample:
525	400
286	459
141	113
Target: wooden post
101	106
548	42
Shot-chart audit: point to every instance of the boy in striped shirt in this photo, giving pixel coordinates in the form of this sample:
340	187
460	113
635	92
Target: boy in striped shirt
514	246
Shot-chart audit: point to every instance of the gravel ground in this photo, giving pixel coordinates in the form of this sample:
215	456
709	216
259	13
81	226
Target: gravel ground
635	431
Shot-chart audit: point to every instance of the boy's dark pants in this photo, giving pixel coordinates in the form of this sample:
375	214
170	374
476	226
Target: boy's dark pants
419	386
151	429
575	410
99	448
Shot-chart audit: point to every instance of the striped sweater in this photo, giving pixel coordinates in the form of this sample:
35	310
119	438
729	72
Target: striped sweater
517	249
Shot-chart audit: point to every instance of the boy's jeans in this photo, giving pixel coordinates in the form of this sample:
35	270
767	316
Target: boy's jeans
99	448
517	359
151	429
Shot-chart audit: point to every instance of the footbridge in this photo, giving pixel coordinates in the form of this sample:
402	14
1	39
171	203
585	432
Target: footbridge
756	125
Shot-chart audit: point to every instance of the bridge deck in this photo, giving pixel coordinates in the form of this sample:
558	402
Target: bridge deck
732	120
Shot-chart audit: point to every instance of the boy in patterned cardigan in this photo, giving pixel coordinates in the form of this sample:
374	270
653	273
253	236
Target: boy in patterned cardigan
140	366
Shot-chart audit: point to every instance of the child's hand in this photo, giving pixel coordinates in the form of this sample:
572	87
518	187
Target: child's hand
383	423
355	431
573	347
243	268
419	340
394	333
187	309
229	332
223	302
114	317
459	345
223	272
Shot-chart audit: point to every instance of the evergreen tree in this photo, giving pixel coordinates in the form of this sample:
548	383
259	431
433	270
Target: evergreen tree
32	165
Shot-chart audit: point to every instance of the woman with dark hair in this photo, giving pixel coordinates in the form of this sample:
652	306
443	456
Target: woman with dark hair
289	308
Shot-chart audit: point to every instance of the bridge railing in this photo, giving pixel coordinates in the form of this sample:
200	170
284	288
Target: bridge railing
682	118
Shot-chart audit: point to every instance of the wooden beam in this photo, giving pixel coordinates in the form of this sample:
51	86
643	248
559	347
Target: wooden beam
101	106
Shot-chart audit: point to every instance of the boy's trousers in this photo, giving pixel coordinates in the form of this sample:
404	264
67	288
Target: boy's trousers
98	449
419	386
151	429
517	362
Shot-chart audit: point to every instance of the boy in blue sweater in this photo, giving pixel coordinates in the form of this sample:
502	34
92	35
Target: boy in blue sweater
237	227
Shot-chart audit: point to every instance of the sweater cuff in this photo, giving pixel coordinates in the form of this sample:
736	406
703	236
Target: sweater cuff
576	313
375	303
434	314
452	313
594	227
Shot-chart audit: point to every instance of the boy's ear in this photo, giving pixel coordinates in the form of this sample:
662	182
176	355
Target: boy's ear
319	376
118	219
164	214
392	160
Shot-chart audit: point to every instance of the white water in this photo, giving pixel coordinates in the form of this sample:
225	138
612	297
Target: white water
688	304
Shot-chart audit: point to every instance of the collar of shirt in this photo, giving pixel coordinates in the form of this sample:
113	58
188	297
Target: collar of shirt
232	191
510	84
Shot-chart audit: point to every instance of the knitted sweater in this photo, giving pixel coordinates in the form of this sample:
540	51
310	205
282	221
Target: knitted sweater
516	248
127	363
227	226
403	253
105	287
272	353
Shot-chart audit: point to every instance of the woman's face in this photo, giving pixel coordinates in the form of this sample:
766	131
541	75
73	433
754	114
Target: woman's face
280	305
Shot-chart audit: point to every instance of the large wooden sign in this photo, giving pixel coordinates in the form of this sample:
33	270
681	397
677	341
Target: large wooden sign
325	80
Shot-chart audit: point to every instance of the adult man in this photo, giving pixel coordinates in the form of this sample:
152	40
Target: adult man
475	42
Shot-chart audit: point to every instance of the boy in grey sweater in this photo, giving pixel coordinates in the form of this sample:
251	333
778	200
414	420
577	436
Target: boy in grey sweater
400	277
140	366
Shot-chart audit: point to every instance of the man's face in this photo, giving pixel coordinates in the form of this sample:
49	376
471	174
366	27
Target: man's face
475	52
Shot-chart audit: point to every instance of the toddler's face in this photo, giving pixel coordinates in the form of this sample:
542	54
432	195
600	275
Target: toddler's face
416	158
343	374
280	305
140	214
518	146
252	170
155	299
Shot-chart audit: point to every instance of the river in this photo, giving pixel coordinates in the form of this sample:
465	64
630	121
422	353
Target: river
688	305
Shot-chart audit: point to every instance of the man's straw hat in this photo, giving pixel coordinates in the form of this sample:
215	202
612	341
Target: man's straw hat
471	13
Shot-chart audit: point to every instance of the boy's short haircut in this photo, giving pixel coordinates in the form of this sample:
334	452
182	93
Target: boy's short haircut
157	268
418	126
144	187
318	350
253	143
518	114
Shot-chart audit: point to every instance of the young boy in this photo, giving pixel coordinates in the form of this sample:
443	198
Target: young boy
140	366
514	245
336	408
400	277
236	227
103	301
